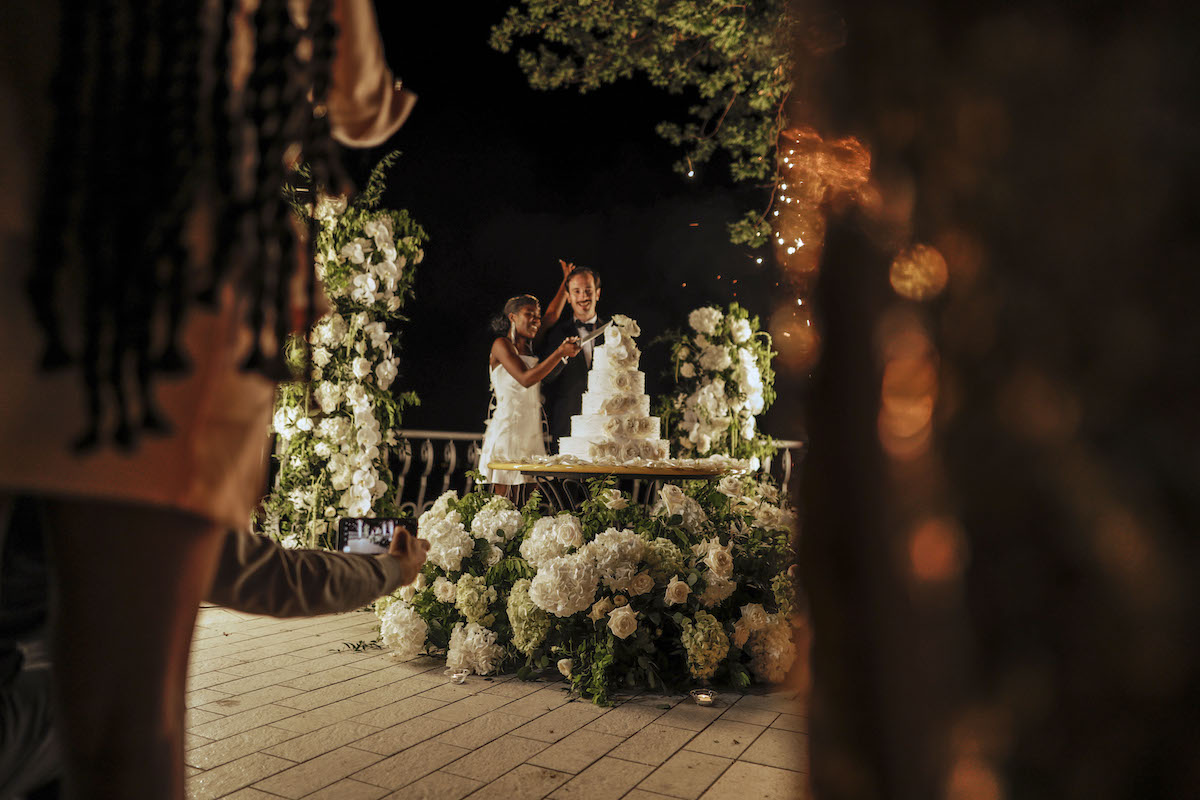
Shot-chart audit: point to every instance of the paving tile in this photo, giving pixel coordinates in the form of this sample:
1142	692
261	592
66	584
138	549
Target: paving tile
317	773
204	680
222	727
556	724
607	779
250	793
537	703
397	712
780	703
725	738
311	745
191	741
626	720
234	775
316	719
199	697
436	786
194	718
743	780
469	707
687	774
447	691
402	689
409	765
256	665
222	751
347	789
481	730
691	716
775	748
652	745
231	704
400	737
514	689
526	782
492	760
642	794
315	680
791	722
258	681
754	716
576	752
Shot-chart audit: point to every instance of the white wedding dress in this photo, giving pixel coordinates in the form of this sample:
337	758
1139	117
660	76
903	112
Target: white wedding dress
514	431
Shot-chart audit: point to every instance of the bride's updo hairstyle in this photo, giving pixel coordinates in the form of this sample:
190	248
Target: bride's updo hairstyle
501	323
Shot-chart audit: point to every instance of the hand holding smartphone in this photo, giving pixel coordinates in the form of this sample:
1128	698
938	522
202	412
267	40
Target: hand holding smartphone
371	536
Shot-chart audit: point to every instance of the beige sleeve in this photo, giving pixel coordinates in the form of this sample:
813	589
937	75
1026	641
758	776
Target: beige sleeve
259	576
366	102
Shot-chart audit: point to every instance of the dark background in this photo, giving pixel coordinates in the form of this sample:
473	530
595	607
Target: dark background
506	180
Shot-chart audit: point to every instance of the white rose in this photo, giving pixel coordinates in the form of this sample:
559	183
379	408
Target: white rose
741	632
444	590
672	498
600	609
739	329
677	592
730	486
705	320
687	370
641	583
320	356
494	555
622	622
564	667
754	616
361	367
720	560
613	499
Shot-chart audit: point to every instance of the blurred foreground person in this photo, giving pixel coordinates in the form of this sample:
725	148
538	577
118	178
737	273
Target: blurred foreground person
150	272
254	574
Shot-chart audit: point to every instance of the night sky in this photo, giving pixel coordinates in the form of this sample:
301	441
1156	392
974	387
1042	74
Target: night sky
506	180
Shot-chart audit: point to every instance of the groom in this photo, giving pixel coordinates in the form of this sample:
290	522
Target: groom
563	388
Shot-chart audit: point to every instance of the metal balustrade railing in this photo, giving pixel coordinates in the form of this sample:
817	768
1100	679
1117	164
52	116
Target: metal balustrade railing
427	463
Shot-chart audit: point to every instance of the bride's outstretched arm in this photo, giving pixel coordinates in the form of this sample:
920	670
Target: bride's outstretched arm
555	308
505	353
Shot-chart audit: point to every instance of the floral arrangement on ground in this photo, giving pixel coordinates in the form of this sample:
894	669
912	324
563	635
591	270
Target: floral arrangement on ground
334	431
700	584
723	379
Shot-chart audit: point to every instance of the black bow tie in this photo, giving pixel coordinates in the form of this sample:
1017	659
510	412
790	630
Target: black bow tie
587	326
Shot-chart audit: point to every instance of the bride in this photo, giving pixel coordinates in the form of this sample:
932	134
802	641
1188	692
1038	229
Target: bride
514	432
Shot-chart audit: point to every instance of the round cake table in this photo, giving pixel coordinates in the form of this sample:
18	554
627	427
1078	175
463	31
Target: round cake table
565	490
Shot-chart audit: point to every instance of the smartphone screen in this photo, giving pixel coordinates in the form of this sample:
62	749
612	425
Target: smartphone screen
370	536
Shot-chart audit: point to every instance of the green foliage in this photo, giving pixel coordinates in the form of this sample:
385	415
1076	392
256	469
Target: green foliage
734	59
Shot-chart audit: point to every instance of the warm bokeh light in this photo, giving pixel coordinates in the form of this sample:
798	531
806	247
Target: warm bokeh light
1037	406
937	550
909	388
919	273
973	779
795	336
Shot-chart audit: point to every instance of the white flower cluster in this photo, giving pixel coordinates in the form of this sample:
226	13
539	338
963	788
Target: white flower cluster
403	630
377	260
672	501
705	643
551	537
472	597
473	648
497	521
730	389
565	585
449	542
617	554
530	624
771	648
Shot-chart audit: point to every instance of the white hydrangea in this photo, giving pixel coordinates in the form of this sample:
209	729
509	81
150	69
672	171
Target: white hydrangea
706	320
715	358
565	585
403	630
449	542
441	506
327	395
617	554
473	648
705	643
717	590
771	649
551	537
497	521
444	590
473	597
739	329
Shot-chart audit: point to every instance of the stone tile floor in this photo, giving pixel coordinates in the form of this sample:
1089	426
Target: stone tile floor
281	708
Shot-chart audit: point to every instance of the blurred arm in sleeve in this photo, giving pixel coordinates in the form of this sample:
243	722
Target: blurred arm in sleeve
366	102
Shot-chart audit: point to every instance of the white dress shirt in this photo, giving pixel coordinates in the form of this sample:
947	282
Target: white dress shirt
587	346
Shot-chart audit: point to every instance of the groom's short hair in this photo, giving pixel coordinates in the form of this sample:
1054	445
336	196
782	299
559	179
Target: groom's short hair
583	271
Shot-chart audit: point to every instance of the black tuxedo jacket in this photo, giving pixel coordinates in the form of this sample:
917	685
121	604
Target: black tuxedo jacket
564	387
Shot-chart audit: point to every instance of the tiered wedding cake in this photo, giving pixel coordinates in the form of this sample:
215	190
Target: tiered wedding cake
615	425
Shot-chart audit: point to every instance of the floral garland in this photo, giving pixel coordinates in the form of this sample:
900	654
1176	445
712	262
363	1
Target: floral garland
333	434
616	595
724	379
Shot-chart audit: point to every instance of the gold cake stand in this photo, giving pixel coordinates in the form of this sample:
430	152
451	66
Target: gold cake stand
564	487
